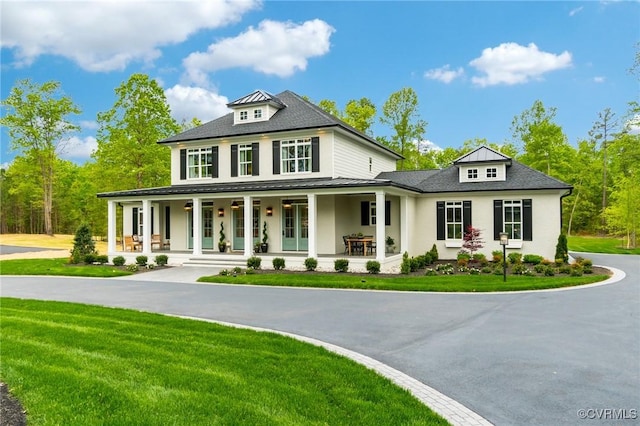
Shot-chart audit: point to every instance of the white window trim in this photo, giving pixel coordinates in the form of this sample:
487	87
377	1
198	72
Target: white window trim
200	154
245	167
456	205
243	115
373	215
472	174
296	143
492	171
512	203
257	114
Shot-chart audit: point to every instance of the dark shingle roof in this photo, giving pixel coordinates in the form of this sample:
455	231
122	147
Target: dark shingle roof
252	186
298	114
409	178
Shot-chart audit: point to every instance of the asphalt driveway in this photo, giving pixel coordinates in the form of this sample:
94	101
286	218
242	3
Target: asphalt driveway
545	358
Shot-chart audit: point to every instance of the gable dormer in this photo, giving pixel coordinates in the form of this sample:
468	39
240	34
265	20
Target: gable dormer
482	165
255	107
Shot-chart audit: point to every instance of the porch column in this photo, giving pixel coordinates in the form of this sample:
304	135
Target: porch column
312	225
404	224
146	226
197	227
381	206
248	226
111	226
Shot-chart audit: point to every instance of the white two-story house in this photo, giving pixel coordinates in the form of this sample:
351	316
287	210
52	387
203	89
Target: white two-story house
282	165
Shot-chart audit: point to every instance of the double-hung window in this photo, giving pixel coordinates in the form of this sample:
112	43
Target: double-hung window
513	218
244	115
245	159
296	155
372	213
492	172
454	220
472	174
199	163
257	114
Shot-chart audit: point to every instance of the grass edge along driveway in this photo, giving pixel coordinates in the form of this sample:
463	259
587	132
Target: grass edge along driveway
72	364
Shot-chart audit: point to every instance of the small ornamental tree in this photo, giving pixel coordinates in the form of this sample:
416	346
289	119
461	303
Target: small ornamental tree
82	244
472	240
562	250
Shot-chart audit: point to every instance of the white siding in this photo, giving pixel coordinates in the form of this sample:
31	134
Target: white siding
351	159
501	174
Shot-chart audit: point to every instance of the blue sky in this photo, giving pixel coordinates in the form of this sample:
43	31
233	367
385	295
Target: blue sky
474	65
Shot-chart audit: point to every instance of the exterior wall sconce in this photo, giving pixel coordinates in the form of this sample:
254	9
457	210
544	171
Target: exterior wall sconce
504	241
286	204
220	212
188	206
235	205
269	211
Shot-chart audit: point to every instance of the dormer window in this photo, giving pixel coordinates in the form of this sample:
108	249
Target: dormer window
257	114
472	174
492	173
244	115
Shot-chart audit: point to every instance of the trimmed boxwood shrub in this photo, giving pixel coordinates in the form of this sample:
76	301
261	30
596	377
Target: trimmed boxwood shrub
514	258
341	265
310	263
373	267
118	261
89	258
254	262
533	259
162	259
278	263
141	260
102	259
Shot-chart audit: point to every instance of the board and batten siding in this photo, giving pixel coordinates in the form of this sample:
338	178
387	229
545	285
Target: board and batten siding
351	159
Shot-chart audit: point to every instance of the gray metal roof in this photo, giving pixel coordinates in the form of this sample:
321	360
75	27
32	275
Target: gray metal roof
253	186
298	114
482	154
259	96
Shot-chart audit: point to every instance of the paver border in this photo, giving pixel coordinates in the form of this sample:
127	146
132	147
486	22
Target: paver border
454	412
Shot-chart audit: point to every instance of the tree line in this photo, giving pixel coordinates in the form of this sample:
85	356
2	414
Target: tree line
43	193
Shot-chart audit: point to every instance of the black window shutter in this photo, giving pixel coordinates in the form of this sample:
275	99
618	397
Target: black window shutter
466	216
440	214
214	162
183	164
234	160
167	222
497	219
276	157
315	154
134	225
527	220
255	159
387	213
364	213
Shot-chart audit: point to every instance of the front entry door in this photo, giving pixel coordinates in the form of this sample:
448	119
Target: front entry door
207	226
295	226
239	228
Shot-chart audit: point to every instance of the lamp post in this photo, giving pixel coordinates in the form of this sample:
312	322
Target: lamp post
504	240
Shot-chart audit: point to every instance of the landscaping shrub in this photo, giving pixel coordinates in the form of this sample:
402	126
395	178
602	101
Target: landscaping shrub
562	250
141	260
546	262
549	271
498	270
539	268
480	258
474	271
514	258
421	259
162	259
236	270
434	253
428	259
576	270
533	259
118	261
414	264
445	268
373	267
405	266
310	263
496	256
463	262
564	269
89	258
82	244
132	268
341	265
102	259
278	263
254	262
430	272
518	269
486	269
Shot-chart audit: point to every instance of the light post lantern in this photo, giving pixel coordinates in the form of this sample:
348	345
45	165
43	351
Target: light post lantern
504	240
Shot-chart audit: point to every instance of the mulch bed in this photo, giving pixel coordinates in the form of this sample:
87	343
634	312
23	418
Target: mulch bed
11	411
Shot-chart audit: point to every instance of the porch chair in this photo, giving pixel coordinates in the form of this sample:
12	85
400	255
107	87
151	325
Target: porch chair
346	243
156	241
372	246
130	244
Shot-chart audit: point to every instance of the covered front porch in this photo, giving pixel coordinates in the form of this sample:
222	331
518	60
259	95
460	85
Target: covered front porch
210	228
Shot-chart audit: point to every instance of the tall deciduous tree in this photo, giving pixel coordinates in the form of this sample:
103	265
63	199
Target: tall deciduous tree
360	114
38	122
128	153
401	112
601	131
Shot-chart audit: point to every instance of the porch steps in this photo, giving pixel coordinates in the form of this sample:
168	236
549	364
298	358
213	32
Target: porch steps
215	263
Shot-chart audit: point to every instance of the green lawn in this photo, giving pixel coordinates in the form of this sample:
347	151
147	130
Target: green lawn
57	267
591	244
74	364
444	283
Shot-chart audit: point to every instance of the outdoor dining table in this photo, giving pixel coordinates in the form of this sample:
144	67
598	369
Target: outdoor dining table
363	240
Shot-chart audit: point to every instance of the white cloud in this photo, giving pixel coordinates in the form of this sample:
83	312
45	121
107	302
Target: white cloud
575	11
108	35
88	124
598	79
275	48
511	64
78	148
195	102
426	145
444	74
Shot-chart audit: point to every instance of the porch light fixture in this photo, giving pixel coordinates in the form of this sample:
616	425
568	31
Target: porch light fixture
235	205
221	212
188	206
286	204
269	211
504	241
